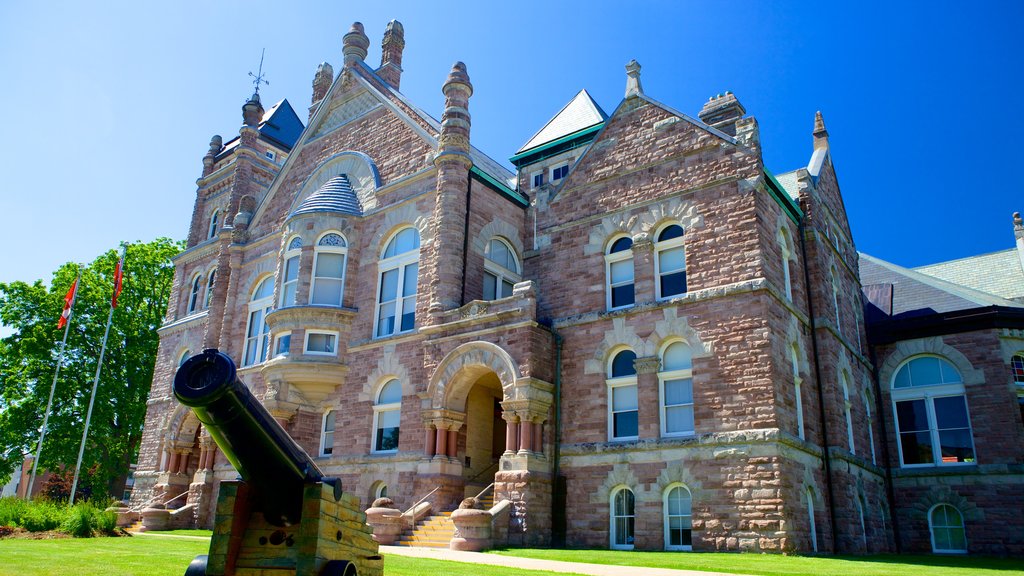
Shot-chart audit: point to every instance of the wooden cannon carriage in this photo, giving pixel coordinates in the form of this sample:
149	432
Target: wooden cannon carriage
283	517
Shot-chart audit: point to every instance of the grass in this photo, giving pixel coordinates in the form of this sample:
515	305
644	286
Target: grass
204	533
777	565
154	556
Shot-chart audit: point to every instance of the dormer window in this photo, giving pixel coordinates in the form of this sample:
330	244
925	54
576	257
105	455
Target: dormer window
559	172
270	155
538	179
501	269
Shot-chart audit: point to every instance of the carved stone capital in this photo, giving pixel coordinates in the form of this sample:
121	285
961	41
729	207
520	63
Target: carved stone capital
647	365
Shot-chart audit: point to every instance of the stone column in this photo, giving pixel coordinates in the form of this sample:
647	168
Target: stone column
525	436
538	437
442	441
429	440
647	396
172	464
643	269
453	442
511	433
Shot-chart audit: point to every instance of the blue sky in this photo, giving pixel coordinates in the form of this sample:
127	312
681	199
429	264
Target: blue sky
108	107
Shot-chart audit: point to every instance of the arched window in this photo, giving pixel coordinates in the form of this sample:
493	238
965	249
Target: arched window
623	519
858	318
835	300
619	271
329	270
868	400
1017	365
794	359
210	281
184	356
844	380
946	525
676	390
257	333
396	299
670	262
381	491
623	422
327	434
387	412
678	518
812	526
212	231
290	272
501	269
787	281
861	504
932	420
193	293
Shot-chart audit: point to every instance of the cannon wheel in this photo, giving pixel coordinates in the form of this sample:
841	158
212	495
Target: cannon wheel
337	568
198	566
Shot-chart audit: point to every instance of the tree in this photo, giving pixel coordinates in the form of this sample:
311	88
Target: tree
28	359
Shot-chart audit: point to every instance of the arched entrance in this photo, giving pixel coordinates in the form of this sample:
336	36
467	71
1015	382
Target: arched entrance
481	441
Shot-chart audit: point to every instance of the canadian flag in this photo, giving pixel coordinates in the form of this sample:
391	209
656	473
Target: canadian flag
69	301
118	278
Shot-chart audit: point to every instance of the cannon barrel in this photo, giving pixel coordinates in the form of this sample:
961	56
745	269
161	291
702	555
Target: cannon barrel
265	456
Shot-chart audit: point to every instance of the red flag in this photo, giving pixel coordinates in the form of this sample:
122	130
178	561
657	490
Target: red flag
68	301
118	277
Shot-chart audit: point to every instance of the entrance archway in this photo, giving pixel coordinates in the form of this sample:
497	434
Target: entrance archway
482	438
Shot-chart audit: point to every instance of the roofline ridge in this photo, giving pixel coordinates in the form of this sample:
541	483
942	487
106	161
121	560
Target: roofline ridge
523	148
962	258
960	291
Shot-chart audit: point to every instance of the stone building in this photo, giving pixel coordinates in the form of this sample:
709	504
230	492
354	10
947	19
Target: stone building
641	337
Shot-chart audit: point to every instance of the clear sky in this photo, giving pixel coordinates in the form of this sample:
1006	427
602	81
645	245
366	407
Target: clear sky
108	107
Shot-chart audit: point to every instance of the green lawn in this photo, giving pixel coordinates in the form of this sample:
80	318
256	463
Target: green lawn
777	565
155	556
203	533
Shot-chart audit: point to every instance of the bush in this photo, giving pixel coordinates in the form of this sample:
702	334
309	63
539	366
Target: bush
106	522
11	511
81	522
41	515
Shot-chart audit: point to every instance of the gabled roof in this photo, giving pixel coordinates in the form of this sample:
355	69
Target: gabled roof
916	294
280	125
580	113
336	195
790	183
997	273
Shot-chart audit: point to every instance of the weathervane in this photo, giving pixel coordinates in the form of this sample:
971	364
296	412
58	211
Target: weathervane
258	77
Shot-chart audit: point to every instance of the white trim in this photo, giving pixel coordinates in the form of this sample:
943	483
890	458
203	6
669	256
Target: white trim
378	409
615	258
323	433
317	250
399	262
285	283
195	289
277	344
928	394
620	382
305	343
931	530
567	164
211	230
612	533
810	516
665	246
844	379
499	272
667	519
264	306
794	358
211	280
664	376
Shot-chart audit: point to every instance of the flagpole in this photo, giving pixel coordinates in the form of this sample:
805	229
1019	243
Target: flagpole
53	386
96	380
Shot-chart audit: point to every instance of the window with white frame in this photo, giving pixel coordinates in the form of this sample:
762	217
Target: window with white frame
670	262
623	421
559	172
184	356
211	280
284	344
257	332
290	272
678	518
868	400
381	491
676	390
619	270
623	519
946	525
844	384
501	269
812	526
396	298
387	415
270	155
193	293
537	179
858	320
861	505
794	359
835	300
787	281
321	343
1017	367
932	420
329	270
212	231
327	434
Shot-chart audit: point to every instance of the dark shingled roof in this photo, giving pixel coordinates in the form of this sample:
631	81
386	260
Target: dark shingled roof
915	294
336	195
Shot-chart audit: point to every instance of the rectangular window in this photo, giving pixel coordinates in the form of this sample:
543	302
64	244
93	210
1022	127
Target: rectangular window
321	343
625	420
621	274
328	275
679	406
934	430
387	430
327	438
271	155
538	179
559	172
291	281
284	342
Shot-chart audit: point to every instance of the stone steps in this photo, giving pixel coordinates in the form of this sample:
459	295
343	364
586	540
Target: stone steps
431	532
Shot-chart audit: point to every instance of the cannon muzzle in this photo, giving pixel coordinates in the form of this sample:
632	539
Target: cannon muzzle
275	467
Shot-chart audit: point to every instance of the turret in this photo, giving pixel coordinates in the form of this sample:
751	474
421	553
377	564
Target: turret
391	54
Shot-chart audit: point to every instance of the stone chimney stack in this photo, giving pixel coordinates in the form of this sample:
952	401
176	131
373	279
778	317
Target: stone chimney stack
442	266
722	112
355	44
321	85
820	133
216	144
391	54
1018	233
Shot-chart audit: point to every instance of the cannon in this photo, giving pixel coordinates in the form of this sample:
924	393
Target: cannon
283	515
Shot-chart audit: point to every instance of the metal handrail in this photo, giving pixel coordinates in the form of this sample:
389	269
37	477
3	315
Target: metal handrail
485	490
185	493
489	470
420	501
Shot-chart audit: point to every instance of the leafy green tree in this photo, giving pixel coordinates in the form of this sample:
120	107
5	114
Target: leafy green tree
29	356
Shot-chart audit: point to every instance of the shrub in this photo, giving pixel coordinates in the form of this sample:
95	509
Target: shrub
11	511
41	515
106	521
81	522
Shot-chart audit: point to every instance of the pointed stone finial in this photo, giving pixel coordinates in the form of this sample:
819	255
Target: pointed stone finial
321	85
458	76
391	48
455	121
820	133
1018	225
252	111
354	44
216	143
722	111
633	87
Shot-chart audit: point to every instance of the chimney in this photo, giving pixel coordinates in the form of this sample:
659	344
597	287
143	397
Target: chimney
722	112
354	44
455	120
391	54
1018	233
820	133
321	85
